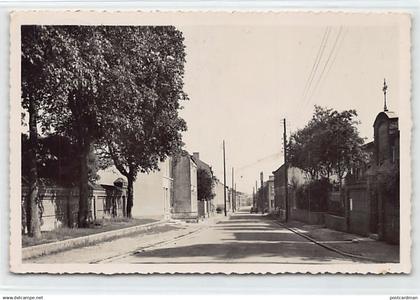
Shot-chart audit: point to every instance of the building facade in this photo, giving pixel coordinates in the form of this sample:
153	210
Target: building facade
153	192
185	206
295	178
218	200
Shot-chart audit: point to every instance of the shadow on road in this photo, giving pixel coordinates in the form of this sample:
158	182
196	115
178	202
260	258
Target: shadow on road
246	236
238	250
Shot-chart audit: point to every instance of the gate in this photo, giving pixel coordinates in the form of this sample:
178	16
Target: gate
359	211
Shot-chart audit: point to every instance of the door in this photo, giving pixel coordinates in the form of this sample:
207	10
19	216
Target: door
358	211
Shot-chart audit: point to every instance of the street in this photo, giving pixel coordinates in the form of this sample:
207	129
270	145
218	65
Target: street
239	238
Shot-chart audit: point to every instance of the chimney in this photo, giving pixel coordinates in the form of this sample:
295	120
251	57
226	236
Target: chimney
196	155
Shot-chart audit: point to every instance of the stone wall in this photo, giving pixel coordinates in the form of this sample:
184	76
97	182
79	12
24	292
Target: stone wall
60	205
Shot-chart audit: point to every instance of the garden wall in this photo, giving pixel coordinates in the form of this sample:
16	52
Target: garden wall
335	222
307	216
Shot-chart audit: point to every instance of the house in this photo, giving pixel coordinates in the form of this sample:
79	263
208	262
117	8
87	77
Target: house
295	178
153	192
270	194
185	206
387	159
372	193
265	196
218	200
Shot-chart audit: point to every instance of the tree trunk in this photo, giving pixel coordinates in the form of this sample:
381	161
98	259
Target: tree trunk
130	179
84	207
32	213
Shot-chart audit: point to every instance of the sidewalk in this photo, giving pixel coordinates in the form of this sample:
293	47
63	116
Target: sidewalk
348	242
110	250
85	237
77	249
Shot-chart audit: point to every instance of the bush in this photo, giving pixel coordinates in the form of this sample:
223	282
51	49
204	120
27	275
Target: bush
314	195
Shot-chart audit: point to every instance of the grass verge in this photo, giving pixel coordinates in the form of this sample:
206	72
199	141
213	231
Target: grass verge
65	233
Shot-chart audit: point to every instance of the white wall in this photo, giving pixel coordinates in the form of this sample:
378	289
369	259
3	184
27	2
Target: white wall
151	191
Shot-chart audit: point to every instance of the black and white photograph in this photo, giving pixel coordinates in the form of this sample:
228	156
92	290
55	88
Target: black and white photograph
210	142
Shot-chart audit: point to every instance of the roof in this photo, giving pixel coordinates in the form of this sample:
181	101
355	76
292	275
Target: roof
385	114
95	186
368	146
279	168
111	187
391	114
201	164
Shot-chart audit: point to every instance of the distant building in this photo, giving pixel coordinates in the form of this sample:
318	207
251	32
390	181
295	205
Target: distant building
295	177
218	200
266	196
270	194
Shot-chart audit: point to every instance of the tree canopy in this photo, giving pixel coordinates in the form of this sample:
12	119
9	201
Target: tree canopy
205	185
113	85
146	87
329	144
55	160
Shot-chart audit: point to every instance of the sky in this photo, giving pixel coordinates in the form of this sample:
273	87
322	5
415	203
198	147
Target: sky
242	80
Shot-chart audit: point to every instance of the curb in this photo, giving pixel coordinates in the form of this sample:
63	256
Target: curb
49	248
140	249
320	243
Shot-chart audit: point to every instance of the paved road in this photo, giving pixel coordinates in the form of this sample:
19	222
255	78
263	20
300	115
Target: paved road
242	237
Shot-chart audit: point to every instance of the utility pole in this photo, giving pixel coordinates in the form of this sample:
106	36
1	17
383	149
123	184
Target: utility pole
239	204
224	176
286	181
253	196
256	194
233	204
262	192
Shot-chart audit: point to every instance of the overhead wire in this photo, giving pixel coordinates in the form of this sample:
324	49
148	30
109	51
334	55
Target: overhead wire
338	50
316	62
321	76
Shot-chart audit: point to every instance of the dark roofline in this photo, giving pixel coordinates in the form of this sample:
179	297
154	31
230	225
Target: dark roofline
388	114
201	164
277	169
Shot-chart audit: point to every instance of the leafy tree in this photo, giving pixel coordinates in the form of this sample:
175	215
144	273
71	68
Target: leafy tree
205	185
55	160
32	95
328	144
146	85
72	65
117	86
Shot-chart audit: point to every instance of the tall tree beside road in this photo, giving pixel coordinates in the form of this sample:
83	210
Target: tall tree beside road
329	144
72	64
146	83
33	95
205	185
113	85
